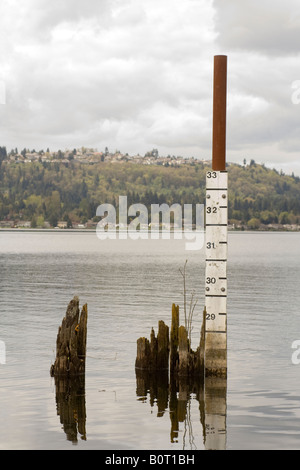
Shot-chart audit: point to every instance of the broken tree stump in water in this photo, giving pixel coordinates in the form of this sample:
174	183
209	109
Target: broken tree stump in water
175	354
71	342
162	361
183	352
154	354
174	339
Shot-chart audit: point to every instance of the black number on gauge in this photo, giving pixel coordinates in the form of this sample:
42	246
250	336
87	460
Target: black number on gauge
210	245
210	316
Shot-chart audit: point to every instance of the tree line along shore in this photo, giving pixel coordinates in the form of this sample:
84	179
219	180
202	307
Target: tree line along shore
65	192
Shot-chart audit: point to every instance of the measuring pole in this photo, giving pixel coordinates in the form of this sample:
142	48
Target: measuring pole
216	233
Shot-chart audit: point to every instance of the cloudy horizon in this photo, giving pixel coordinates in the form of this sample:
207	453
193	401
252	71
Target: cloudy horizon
137	75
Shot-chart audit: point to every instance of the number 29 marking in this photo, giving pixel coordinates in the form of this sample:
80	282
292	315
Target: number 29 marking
210	316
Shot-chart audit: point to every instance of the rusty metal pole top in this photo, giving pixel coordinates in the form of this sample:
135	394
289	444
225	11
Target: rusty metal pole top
219	113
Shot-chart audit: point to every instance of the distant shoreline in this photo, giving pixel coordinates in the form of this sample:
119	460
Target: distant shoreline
89	230
55	230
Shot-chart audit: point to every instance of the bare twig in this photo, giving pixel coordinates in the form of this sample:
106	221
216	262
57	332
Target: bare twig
184	293
188	317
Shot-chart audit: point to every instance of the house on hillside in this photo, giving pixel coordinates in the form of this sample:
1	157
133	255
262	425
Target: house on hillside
62	224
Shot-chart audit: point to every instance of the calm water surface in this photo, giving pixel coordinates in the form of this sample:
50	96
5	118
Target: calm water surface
129	286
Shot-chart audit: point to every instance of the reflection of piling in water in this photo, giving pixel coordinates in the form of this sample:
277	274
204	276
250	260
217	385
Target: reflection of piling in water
176	396
181	391
71	408
156	385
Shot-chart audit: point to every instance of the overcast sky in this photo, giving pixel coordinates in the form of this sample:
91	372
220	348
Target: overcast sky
134	75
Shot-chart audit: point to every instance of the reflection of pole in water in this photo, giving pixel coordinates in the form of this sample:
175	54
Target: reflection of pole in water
215	413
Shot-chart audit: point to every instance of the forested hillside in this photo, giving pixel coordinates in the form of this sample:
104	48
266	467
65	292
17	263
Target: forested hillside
41	192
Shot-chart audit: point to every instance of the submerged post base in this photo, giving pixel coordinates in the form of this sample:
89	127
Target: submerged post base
215	355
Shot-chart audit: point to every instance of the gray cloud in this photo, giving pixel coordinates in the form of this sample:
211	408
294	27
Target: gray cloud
260	39
268	26
108	67
138	74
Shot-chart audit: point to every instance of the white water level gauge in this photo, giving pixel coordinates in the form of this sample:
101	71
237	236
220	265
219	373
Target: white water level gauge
216	273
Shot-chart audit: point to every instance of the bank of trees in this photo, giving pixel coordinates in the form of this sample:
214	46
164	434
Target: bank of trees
41	192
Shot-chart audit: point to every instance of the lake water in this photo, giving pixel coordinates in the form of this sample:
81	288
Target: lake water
129	286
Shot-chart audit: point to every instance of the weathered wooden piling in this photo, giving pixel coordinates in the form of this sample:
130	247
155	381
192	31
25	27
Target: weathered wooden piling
174	353
183	352
174	338
143	356
163	346
71	342
154	354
